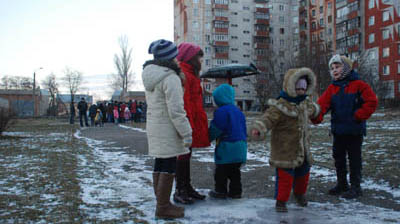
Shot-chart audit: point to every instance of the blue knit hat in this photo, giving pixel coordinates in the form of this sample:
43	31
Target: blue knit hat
163	49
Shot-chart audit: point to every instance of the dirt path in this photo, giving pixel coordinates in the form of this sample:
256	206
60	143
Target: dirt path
257	176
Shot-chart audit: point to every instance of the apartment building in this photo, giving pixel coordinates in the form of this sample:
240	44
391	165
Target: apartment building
317	26
233	31
382	40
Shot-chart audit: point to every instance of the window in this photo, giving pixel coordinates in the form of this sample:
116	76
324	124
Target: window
208	26
385	52
221	2
281	7
195	25
295	7
234	37
195	12
282	42
329	19
321	9
321	22
371	20
329	5
246	20
246	31
295	19
195	1
385	34
234	49
281	19
371	4
234	25
234	1
246	91
207	86
313	13
386	69
313	25
385	15
371	38
246	43
207	62
220	37
246	8
398	72
208	2
372	55
246	56
282	30
207	50
398	49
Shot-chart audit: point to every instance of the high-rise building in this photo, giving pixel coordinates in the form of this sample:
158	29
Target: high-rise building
233	31
382	40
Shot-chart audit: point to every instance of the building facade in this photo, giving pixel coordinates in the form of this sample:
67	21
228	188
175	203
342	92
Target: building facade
244	32
382	40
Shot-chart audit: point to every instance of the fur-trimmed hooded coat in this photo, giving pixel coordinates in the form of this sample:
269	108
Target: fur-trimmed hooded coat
166	124
289	123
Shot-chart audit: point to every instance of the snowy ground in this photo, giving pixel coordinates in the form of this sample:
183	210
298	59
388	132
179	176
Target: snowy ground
63	176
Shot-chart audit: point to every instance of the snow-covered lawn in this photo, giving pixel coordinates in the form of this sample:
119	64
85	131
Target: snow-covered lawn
48	177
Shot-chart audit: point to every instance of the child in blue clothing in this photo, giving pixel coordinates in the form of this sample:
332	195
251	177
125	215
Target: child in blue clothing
228	128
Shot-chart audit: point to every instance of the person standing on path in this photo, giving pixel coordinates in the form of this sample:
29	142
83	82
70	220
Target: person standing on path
190	57
288	118
168	129
83	107
351	102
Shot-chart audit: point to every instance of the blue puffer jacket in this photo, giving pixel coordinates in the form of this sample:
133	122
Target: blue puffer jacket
228	127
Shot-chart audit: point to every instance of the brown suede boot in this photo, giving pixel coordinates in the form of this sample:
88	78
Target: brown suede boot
156	176
164	209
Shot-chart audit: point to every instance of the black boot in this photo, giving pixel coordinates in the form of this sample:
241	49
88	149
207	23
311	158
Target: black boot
181	194
189	188
341	186
355	190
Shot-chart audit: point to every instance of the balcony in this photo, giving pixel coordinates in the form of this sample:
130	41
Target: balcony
221	30
221	18
261	45
220	43
261	33
262	21
261	10
220	6
223	55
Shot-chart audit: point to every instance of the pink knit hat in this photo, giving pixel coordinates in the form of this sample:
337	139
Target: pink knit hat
187	51
301	84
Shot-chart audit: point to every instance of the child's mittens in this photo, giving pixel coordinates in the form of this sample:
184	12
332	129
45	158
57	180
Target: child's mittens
187	141
257	131
313	109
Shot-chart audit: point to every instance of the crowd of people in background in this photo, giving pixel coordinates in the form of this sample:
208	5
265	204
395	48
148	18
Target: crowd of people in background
109	112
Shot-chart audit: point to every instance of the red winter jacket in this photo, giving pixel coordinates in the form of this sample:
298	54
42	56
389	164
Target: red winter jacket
351	108
193	100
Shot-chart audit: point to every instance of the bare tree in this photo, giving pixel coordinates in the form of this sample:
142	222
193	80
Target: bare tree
318	61
51	84
124	76
16	82
269	83
72	80
369	72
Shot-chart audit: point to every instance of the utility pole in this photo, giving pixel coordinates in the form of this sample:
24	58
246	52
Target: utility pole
33	91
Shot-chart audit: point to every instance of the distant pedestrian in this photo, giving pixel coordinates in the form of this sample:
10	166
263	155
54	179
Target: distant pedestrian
116	113
228	128
92	113
351	102
83	107
127	114
168	129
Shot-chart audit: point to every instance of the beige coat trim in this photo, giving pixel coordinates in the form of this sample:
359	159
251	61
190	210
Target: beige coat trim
283	108
316	111
291	77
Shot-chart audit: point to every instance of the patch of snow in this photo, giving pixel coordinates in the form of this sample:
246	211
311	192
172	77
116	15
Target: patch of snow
132	128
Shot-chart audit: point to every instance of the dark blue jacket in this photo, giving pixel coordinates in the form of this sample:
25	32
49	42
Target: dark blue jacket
351	102
228	127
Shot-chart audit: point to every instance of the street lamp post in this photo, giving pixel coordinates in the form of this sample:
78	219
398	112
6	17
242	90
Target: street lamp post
33	91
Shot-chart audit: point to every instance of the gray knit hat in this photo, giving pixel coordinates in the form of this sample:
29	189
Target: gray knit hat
163	49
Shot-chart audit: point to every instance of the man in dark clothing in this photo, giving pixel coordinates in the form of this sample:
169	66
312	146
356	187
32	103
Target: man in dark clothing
92	113
83	107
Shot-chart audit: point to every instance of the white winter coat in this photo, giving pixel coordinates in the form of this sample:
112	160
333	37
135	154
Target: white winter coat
167	124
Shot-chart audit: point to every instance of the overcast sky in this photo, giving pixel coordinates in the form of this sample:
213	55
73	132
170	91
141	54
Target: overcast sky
80	34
